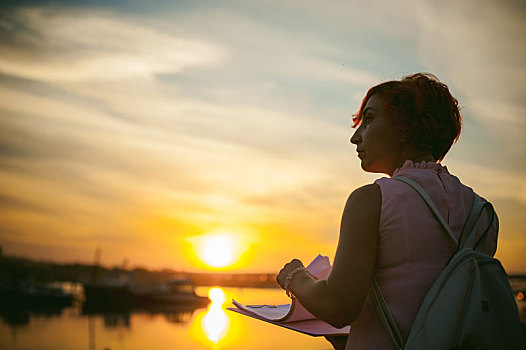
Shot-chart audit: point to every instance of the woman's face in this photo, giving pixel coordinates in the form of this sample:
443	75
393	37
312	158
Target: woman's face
377	141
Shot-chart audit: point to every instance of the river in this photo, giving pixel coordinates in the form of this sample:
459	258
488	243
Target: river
212	327
185	328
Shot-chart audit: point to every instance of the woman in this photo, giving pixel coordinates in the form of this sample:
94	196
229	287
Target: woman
405	128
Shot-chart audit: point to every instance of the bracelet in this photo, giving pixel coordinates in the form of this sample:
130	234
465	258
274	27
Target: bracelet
289	279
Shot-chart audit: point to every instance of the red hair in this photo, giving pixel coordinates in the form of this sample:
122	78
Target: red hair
422	108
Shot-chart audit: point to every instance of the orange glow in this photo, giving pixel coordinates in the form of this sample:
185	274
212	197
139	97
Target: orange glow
520	296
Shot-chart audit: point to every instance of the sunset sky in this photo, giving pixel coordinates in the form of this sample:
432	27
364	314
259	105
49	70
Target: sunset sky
145	128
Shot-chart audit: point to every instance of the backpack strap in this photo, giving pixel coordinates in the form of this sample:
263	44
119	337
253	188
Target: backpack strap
482	239
382	310
467	236
385	316
466	240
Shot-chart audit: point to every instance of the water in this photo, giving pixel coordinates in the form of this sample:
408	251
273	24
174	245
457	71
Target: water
185	328
213	327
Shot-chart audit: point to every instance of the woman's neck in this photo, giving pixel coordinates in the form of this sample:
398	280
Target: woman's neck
415	155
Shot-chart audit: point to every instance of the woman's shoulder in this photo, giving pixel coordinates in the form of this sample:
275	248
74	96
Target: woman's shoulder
366	191
365	198
391	186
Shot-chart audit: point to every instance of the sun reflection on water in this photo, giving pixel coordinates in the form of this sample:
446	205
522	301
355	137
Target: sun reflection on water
215	328
215	323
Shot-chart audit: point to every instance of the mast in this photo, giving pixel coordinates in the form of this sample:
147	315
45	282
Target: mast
96	265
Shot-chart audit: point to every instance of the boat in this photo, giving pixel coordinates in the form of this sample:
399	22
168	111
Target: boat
123	289
176	291
36	295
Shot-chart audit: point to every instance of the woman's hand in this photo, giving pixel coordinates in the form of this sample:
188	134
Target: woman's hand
286	270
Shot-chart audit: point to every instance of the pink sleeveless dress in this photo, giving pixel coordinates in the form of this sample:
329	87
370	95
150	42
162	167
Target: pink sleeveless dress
412	247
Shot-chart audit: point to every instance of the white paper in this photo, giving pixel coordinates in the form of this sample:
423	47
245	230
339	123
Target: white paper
320	268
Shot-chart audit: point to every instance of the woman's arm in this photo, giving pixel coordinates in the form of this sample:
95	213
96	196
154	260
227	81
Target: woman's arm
338	299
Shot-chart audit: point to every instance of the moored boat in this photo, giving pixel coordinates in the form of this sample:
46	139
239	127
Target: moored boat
177	291
35	294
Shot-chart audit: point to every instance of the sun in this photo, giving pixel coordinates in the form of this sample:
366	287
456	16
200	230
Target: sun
221	249
218	249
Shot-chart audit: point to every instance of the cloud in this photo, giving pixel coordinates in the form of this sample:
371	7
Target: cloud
112	158
496	183
59	45
140	130
480	52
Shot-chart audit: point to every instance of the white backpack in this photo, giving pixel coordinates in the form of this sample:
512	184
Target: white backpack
470	305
